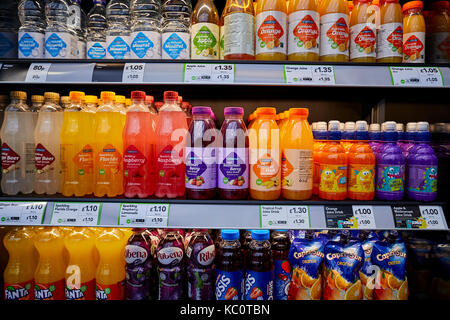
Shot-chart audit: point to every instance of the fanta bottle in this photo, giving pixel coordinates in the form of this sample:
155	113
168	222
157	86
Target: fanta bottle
333	166
280	245
361	166
348	135
319	142
363	32
390	33
108	148
413	32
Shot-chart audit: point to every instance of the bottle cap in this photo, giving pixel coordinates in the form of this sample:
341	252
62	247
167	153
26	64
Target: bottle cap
229	234
76	95
349	126
120	99
390	126
138	95
341	126
3	98
185	105
299	112
180	99
53	96
447	127
65	99
37	99
374	127
260	235
107	96
201	110
321	126
233	111
413	5
439	127
313	126
411	126
128	102
158	105
361	125
19	95
440	5
333	125
170	95
91	99
399	127
149	99
266	111
281	230
422	126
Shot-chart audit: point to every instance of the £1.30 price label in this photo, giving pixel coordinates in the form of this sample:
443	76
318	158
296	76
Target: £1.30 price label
133	73
309	75
285	217
364	217
416	76
81	214
151	215
208	73
37	72
22	213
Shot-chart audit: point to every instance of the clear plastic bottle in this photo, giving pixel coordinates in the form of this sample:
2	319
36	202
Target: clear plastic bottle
59	42
32	29
77	21
37	101
118	31
96	31
175	29
205	36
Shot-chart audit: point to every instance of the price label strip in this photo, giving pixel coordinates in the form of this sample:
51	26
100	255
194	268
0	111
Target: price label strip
349	217
37	72
416	76
309	75
152	215
419	217
77	214
208	73
364	216
133	73
285	217
22	213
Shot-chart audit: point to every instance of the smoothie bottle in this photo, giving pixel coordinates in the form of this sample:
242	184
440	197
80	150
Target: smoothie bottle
363	33
413	32
319	142
390	34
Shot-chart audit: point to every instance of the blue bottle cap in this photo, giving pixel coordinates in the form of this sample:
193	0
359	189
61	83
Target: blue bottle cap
281	230
230	234
260	235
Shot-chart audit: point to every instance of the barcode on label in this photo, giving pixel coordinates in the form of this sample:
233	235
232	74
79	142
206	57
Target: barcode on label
15	218
140	220
204	77
71	220
282	222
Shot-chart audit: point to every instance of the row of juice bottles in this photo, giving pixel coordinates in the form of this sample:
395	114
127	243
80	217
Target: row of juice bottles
57	263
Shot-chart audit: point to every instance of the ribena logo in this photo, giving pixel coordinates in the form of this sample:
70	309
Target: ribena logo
135	254
206	256
168	255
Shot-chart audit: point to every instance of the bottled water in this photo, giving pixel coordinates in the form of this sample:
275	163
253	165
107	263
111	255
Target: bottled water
77	22
175	29
96	31
59	41
118	31
32	29
145	29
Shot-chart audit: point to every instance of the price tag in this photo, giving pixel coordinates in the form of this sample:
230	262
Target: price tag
416	76
208	73
309	75
82	214
285	217
340	217
150	215
133	73
37	72
22	213
433	216
364	216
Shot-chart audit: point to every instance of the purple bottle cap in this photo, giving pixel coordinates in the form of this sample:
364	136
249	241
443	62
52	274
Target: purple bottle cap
201	110
233	111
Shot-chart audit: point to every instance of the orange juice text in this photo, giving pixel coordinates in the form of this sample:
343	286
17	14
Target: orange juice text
413	33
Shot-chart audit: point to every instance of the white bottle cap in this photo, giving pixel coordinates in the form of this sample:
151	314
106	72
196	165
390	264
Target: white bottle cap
333	125
349	126
447	127
432	127
390	126
411	126
439	127
341	126
400	127
361	125
422	126
374	127
321	126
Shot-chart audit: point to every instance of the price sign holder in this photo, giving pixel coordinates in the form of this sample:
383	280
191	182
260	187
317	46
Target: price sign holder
37	72
309	75
150	215
22	213
208	73
340	217
418	217
284	217
416	76
133	73
82	214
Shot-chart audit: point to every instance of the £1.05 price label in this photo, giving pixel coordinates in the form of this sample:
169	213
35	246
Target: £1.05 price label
309	75
151	215
22	213
416	76
208	73
133	73
285	217
82	214
37	72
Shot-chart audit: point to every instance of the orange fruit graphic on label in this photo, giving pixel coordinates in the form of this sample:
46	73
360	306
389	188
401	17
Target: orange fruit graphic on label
368	293
316	289
403	292
354	292
341	283
269	31
307	281
339	33
393	282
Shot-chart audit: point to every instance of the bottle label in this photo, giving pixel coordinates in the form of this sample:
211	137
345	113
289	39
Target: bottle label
334	34
133	162
222	42
96	50
233	168
8	45
296	169
333	178
390	40
422	178
19	291
201	168
205	41
146	45
118	47
200	284
114	291
271	32
81	50
31	45
229	284
9	159
259	285
282	279
361	178
83	159
167	161
304	32
56	45
414	47
176	45
49	291
363	43
265	173
440	47
390	177
109	160
239	34
42	159
82	291
171	281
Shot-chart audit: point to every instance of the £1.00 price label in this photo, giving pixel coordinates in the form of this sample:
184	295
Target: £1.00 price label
133	73
294	217
151	215
416	76
364	217
433	217
309	75
22	213
208	73
82	214
37	72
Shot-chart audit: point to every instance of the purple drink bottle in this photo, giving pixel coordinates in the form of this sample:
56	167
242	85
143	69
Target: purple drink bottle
408	141
401	134
375	137
200	255
441	147
390	183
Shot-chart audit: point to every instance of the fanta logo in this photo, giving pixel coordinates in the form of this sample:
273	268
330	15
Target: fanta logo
168	255
313	252
74	294
332	256
135	254
12	293
222	283
206	256
101	295
396	253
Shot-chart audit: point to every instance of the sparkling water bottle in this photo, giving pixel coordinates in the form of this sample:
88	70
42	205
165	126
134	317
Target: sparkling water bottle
77	22
96	31
59	41
175	29
32	29
118	31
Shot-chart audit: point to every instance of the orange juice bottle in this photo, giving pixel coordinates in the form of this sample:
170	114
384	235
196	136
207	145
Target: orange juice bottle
361	166
265	156
390	33
297	156
320	141
333	166
80	271
351	5
18	275
440	32
110	275
413	32
363	33
334	31
303	30
50	271
271	30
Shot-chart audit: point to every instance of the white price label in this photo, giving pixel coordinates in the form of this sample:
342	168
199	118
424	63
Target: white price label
152	215
309	75
22	213
284	217
208	72
133	73
37	72
83	214
416	76
364	217
433	217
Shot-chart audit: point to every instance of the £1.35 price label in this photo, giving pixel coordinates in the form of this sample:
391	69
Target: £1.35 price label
416	76
285	217
22	213
364	216
309	75
151	215
133	73
81	214
37	72
208	73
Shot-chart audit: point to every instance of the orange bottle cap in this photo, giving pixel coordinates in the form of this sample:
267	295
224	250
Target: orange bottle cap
350	5
376	3
267	111
299	112
412	5
107	96
76	95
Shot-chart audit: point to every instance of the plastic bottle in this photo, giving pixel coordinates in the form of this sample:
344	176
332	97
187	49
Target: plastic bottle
205	37
297	156
280	245
390	34
401	134
9	25
37	101
319	143
77	21
375	137
440	32
303	30
17	146
175	29
118	30
65	102
229	267
145	29
441	147
239	30
32	29
91	103
363	32
59	43
47	158
333	166
96	31
260	268
413	33
348	135
410	136
361	166
390	182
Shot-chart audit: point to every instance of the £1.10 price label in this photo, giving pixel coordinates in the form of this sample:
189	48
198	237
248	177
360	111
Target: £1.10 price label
285	217
208	73
309	75
37	72
150	215
22	213
133	73
416	76
81	214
